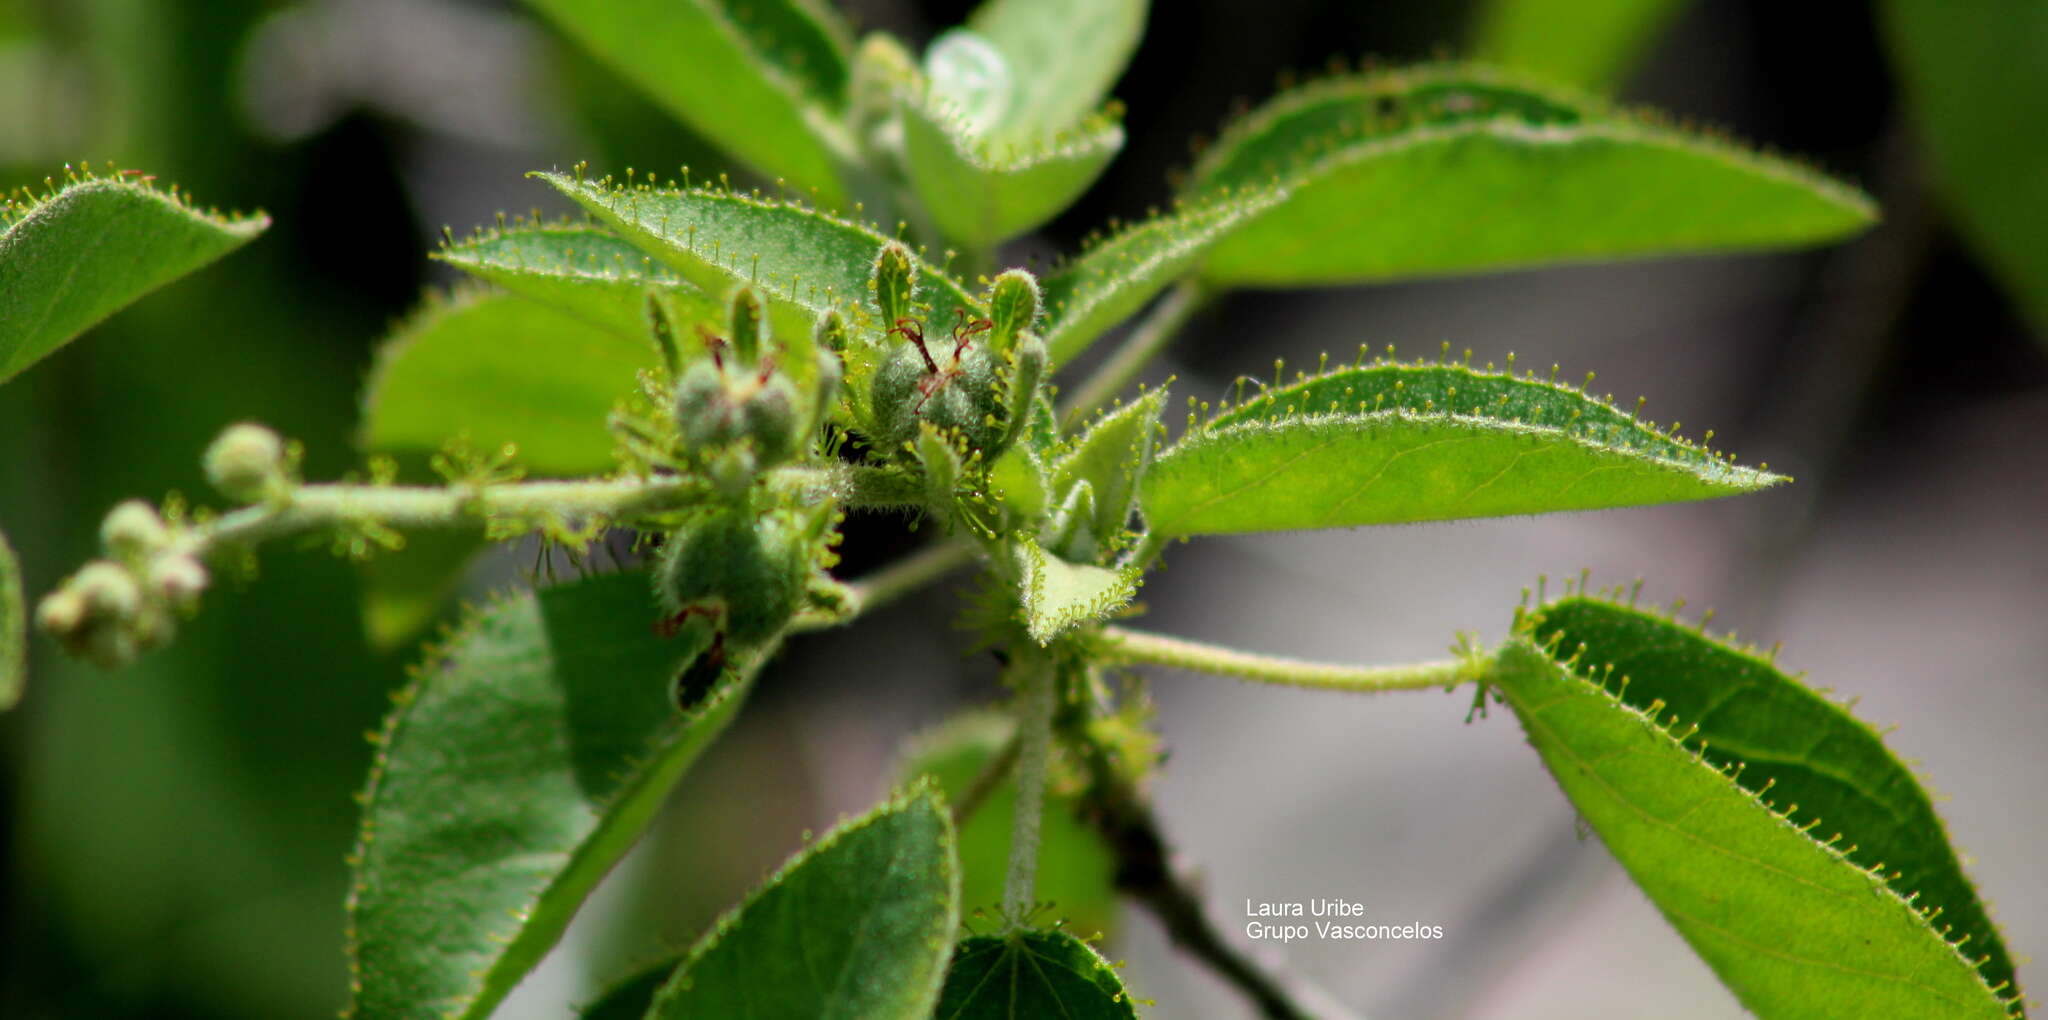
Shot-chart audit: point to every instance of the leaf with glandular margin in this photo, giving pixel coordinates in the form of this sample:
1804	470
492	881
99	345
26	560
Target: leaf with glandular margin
521	764
980	193
1017	480
1063	56
502	369
13	628
1029	974
1058	596
1974	76
91	247
1447	169
1392	443
805	262
1076	870
1796	854
765	79
582	270
856	927
1116	275
1592	44
1112	456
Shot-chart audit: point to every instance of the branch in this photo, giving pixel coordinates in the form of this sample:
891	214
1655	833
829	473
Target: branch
1121	645
1036	685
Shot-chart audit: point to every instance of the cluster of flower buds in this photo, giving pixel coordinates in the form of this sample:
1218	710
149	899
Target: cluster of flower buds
976	385
128	602
744	407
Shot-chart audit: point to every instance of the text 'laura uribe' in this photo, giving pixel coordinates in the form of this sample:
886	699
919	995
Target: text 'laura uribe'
1294	920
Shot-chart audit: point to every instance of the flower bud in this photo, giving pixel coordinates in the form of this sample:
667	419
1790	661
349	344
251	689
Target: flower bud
247	463
180	577
133	529
109	590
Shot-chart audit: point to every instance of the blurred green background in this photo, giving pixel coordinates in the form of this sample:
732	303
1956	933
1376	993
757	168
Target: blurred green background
174	832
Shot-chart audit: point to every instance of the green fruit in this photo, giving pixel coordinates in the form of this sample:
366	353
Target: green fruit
748	572
953	393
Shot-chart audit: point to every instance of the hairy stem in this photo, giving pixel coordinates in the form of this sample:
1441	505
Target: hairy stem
1145	342
909	574
1119	644
1035	697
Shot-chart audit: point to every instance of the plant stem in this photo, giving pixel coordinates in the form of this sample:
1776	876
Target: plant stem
986	782
1119	644
909	574
1035	696
1145	342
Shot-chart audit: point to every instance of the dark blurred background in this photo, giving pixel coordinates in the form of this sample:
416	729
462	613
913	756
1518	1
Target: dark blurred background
174	832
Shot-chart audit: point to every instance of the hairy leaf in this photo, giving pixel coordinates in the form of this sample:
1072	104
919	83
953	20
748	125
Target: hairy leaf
1062	57
89	248
1030	974
13	628
1392	443
765	79
520	765
1592	44
501	369
1777	833
1978	87
1117	275
1446	169
1059	596
579	269
857	926
1112	456
806	262
1075	869
980	193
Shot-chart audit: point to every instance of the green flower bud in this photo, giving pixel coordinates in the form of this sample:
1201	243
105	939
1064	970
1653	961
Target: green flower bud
109	590
180	577
247	462
958	386
133	529
61	612
775	419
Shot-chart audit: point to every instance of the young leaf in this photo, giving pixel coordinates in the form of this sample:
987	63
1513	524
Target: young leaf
805	261
89	248
1076	870
1571	42
1979	93
501	369
1118	274
1775	832
1062	57
1059	596
516	770
582	270
1112	457
857	926
765	80
1447	169
1392	443
980	193
13	628
1028	974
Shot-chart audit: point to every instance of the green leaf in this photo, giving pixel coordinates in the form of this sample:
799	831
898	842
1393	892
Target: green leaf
806	262
1115	276
515	771
1391	443
1058	596
501	369
1794	851
630	997
1062	57
579	269
1447	169
979	193
857	926
1978	89
13	628
1591	44
406	589
91	247
1030	974
1076	871
765	79
1112	456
